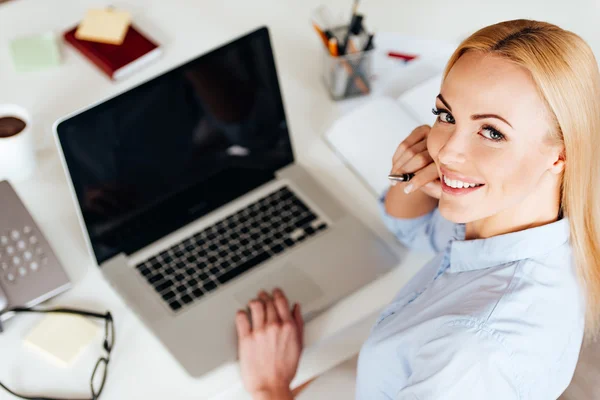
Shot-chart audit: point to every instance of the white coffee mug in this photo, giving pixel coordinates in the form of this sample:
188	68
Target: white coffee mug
17	152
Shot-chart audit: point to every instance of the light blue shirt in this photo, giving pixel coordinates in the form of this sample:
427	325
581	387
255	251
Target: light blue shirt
496	319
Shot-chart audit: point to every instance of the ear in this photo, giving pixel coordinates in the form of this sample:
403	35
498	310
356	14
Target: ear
558	165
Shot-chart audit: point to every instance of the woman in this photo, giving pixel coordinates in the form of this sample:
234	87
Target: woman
506	192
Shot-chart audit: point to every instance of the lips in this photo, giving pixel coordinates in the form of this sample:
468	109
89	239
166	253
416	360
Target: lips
456	184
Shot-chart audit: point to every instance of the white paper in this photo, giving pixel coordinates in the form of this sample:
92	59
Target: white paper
367	138
419	100
62	337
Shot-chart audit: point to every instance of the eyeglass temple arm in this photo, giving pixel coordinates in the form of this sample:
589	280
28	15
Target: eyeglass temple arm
72	311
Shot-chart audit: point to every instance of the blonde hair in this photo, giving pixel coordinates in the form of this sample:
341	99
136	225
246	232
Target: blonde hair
565	71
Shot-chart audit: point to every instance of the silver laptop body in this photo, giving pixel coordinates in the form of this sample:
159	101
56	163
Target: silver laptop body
188	227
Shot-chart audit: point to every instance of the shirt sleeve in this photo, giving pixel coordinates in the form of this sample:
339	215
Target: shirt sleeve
461	363
429	232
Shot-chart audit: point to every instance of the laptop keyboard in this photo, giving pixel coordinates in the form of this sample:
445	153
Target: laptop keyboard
201	263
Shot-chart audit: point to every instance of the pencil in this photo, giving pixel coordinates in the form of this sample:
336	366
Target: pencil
321	34
333	47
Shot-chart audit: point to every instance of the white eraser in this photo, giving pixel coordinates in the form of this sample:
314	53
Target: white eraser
62	337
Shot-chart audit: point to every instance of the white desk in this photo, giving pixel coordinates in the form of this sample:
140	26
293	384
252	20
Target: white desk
140	366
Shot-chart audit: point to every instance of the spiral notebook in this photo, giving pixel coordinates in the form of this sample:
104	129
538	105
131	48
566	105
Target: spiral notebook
366	138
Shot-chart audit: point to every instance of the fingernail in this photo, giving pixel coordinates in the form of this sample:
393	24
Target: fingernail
393	183
408	188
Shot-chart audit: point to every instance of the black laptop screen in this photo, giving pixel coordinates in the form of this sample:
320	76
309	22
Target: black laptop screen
161	155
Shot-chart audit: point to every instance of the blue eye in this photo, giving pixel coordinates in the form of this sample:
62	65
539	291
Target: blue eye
493	134
443	115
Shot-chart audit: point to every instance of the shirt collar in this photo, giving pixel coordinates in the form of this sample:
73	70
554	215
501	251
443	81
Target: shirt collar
468	255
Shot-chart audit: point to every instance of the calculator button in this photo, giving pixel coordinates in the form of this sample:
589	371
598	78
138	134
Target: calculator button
21	245
4	266
27	230
39	251
16	260
27	256
15	235
3	240
33	240
34	266
10	277
10	250
22	271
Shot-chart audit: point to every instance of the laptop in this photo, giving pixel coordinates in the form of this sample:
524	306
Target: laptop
191	202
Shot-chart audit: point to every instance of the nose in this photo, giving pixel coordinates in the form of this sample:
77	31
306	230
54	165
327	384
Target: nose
453	151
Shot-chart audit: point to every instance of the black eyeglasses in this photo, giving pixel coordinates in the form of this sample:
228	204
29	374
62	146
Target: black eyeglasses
100	370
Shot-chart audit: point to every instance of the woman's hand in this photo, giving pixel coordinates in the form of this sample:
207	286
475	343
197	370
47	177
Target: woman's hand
270	344
412	156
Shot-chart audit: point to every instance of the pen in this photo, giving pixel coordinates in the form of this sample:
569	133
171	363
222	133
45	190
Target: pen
369	44
401	177
403	56
355	27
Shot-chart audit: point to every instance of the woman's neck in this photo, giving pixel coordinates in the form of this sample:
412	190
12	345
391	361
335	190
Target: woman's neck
540	208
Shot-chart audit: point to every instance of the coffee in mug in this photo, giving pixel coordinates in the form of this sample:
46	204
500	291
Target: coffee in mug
10	126
17	146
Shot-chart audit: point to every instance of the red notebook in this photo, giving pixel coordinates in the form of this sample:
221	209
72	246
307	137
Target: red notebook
120	61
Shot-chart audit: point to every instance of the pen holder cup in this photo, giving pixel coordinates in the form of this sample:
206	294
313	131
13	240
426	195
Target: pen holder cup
348	75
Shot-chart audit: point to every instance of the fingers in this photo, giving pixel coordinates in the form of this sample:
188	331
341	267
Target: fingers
267	310
418	134
433	189
403	162
299	323
257	313
423	177
242	324
418	162
271	312
282	305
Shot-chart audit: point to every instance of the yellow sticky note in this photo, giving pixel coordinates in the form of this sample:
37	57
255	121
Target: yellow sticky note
104	26
62	337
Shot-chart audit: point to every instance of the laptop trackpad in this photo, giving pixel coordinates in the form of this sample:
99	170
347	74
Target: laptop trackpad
296	284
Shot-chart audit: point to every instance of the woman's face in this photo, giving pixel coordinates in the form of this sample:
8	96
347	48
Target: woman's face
491	131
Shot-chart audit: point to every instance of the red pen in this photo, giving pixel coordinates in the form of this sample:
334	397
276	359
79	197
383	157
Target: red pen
403	56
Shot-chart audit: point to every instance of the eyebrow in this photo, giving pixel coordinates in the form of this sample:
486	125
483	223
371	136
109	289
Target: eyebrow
475	116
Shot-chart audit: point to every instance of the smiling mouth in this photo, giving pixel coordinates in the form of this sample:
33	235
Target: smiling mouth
456	184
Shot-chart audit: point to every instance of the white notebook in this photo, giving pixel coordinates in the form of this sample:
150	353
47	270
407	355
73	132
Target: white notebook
366	138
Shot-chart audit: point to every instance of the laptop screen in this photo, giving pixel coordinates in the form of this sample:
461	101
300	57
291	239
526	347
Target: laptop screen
169	151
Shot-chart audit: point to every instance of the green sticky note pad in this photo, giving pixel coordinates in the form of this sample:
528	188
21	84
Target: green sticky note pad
35	52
